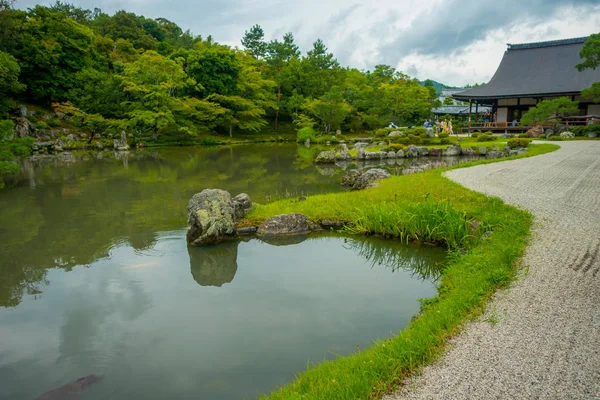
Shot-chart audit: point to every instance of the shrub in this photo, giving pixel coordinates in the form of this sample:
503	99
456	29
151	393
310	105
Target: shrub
306	133
209	141
555	138
484	137
426	141
420	131
567	135
423	135
523	135
54	122
475	134
383	132
394	147
443	135
403	140
326	138
411	138
444	140
41	125
519	142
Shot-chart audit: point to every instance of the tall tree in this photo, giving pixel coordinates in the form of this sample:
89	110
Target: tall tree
254	42
590	53
215	68
9	81
331	108
278	56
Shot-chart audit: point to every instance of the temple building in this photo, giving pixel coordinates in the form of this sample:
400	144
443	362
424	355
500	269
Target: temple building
531	72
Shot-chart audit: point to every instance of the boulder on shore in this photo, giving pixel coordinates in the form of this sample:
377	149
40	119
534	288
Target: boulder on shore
350	177
536	131
212	214
366	179
452	150
285	224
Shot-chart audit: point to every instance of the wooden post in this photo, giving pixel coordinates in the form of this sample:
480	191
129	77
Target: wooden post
470	111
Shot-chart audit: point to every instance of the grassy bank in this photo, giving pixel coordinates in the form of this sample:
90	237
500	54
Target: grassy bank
426	207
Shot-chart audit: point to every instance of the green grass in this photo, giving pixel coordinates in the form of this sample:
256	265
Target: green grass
427	207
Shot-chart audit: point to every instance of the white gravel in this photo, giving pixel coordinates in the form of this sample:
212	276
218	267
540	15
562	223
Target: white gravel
546	341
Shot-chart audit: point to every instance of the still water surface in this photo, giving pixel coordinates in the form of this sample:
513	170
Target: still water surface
96	278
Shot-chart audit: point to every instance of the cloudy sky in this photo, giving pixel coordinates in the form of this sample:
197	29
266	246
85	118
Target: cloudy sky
452	41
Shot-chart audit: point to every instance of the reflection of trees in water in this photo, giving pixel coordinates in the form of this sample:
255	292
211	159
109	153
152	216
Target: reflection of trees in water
214	265
395	256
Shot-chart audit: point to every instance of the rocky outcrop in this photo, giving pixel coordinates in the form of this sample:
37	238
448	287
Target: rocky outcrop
59	145
325	157
241	205
395	134
375	155
452	150
422	151
350	177
549	132
536	131
435	152
400	154
344	154
429	132
411	151
366	179
211	217
285	224
468	151
23	127
482	151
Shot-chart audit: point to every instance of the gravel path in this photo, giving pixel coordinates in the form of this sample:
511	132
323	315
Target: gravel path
546	341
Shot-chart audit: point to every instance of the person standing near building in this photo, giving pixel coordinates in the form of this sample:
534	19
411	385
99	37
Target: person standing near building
445	127
450	131
486	119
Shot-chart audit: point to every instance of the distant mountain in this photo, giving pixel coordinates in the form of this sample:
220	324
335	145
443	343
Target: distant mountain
437	85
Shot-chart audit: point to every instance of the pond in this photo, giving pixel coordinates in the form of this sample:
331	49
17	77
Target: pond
96	278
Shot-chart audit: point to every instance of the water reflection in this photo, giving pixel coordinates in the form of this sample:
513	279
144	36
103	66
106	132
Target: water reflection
214	265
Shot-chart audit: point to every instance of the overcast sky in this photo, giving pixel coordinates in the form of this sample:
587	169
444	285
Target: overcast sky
451	41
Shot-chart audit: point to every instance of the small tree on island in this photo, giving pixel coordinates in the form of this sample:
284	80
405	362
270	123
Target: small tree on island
546	109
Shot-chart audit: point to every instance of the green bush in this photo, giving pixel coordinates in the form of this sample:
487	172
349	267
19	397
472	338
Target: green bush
419	131
325	139
41	125
445	140
394	147
209	141
523	135
555	138
443	135
423	135
54	122
518	142
383	132
426	141
475	134
403	140
484	137
306	133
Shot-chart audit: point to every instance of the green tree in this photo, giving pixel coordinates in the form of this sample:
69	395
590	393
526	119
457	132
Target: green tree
153	83
9	81
279	55
215	68
590	53
448	101
254	42
52	49
546	109
331	109
125	25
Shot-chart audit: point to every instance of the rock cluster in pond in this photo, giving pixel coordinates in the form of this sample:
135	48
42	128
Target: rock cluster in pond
325	157
359	180
212	214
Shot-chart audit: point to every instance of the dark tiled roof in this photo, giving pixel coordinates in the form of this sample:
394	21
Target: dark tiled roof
537	69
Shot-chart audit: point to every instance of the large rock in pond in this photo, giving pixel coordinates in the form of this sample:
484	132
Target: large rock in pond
400	154
349	179
468	151
435	152
285	224
211	217
367	178
423	151
536	131
452	150
325	157
375	155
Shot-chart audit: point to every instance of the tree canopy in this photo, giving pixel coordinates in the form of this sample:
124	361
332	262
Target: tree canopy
152	78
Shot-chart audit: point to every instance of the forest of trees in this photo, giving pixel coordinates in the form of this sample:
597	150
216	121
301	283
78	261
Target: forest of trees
151	78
